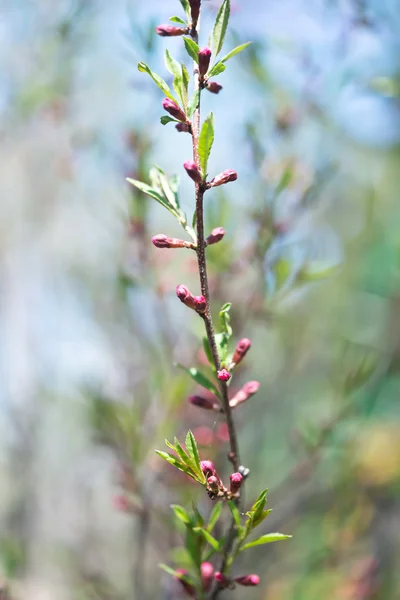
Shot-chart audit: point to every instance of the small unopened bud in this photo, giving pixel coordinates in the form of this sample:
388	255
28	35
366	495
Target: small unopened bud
195	11
162	241
205	403
170	30
215	236
121	503
213	483
221	579
185	296
204	61
248	580
243	346
223	375
200	304
225	177
207	572
173	109
193	171
188	587
247	391
183	127
236	480
214	87
207	467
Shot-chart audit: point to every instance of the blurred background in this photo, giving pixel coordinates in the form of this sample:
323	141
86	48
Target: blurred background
90	327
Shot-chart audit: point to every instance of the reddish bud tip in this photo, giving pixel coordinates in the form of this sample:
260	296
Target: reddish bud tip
236	482
185	296
200	304
205	403
248	390
243	346
223	375
170	30
204	61
207	572
214	87
221	579
173	109
215	236
207	467
248	580
193	171
225	177
188	587
251	387
160	241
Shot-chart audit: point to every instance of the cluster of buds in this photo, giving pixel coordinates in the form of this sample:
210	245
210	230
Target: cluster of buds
197	303
245	580
163	241
215	486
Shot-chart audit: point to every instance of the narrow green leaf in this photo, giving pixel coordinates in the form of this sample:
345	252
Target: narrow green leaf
194	545
192	48
208	537
182	454
206	140
221	340
191	447
214	516
235	514
164	87
185	86
198	515
181	513
225	318
218	68
143	187
207	351
260	518
281	270
174	573
165	119
201	379
175	69
267	539
220	27
165	186
175	462
234	52
194	102
186	7
178	20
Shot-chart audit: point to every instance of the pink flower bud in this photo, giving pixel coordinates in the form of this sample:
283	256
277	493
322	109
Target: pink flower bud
207	467
188	587
213	483
215	236
185	296
183	127
248	580
162	241
214	87
248	390
207	572
173	109
223	178
221	579
170	30
195	11
193	171
223	375
205	403
243	346
236	482
204	61
121	503
200	304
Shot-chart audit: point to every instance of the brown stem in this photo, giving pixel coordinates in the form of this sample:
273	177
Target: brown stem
202	265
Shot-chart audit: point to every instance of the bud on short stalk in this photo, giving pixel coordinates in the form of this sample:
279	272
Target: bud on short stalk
215	236
223	375
221	579
162	241
224	177
214	87
248	580
171	30
174	110
236	480
193	171
205	403
204	61
185	296
243	346
207	572
248	390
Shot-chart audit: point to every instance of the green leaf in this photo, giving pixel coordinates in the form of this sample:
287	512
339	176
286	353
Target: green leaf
175	462
220	26
207	351
178	20
194	102
257	510
192	48
166	187
181	513
281	269
225	318
174	573
185	87
218	68
164	87
182	455
198	517
175	69
206	140
234	52
214	516
235	514
208	537
267	539
165	120
191	447
201	379
186	7
194	545
143	187
221	340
